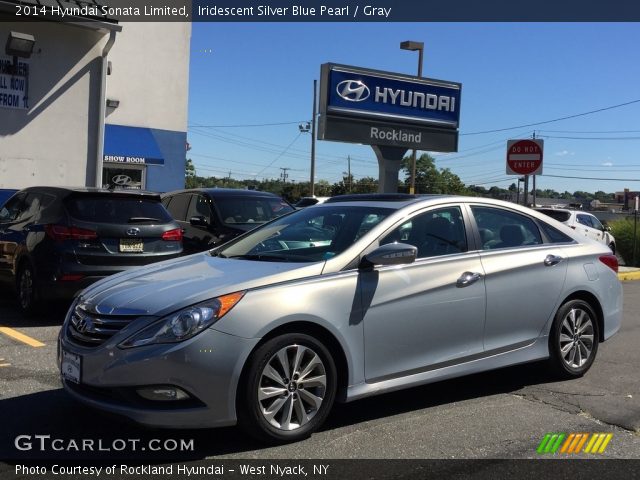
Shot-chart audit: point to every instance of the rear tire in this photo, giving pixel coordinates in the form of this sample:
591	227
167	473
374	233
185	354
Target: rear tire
27	289
288	390
573	340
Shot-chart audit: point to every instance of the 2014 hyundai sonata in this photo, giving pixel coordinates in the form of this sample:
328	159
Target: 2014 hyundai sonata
357	296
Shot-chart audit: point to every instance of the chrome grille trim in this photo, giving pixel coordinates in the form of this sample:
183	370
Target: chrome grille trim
90	330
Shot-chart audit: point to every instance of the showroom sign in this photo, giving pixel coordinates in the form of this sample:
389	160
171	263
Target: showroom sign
384	108
14	84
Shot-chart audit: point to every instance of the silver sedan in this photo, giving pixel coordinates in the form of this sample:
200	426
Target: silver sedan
358	296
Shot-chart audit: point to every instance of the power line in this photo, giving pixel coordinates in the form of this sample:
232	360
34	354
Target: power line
247	125
590	138
554	120
595	178
280	155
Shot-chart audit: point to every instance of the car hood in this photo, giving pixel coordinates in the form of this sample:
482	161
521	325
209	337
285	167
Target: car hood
167	286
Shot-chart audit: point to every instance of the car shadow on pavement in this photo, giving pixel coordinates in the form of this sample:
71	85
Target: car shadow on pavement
54	413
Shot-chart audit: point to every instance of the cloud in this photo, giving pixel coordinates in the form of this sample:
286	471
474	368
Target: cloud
564	153
608	163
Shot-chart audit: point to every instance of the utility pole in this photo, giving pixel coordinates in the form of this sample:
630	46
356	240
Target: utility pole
284	175
534	179
349	171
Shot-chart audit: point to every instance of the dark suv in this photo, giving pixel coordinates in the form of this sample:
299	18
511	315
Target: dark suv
55	241
211	216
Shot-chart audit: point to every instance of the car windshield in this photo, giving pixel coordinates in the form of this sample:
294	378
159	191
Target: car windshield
310	235
560	215
244	210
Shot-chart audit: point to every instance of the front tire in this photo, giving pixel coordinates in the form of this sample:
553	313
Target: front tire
288	390
573	342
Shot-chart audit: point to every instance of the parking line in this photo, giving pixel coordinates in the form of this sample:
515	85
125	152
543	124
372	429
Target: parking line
21	337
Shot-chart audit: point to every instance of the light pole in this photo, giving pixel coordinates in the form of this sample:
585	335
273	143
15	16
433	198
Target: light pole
413	46
304	128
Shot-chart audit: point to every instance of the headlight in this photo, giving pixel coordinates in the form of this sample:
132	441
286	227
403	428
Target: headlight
184	323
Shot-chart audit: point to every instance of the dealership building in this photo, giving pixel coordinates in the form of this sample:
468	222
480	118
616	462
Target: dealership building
92	102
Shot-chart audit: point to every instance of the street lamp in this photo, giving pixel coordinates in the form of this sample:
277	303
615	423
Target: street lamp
414	46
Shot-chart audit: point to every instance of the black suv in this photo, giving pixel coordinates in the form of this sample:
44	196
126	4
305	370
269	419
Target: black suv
212	216
55	241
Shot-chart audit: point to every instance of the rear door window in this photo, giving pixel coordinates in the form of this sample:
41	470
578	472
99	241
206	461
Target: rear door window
501	228
116	210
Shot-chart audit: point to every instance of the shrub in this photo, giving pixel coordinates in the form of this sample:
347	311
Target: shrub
623	231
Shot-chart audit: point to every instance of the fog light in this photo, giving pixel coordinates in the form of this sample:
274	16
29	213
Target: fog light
163	393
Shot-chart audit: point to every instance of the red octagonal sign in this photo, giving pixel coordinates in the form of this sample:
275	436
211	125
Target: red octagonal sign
524	157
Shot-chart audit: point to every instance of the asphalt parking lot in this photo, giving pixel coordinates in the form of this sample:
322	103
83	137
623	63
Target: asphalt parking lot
501	414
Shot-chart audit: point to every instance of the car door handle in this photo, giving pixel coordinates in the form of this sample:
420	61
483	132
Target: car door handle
468	278
552	260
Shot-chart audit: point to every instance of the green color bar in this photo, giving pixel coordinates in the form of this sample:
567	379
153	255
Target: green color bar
558	443
543	443
550	443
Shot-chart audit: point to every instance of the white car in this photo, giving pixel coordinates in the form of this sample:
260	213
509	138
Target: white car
584	223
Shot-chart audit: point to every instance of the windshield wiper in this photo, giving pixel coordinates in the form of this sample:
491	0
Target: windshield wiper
142	219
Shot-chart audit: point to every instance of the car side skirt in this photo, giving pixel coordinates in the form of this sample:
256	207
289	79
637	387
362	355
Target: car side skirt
517	354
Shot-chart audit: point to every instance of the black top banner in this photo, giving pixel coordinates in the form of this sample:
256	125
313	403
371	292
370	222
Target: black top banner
113	11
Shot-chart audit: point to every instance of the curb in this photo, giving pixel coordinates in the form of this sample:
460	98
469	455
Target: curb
625	276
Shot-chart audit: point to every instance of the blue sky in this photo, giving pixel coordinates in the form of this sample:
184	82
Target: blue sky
512	74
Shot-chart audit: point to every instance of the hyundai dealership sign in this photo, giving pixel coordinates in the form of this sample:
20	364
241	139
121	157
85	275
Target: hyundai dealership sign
383	108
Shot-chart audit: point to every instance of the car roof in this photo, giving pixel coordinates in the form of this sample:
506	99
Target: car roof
225	192
68	191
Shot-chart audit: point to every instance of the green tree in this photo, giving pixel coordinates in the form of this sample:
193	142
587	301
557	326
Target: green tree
429	179
189	174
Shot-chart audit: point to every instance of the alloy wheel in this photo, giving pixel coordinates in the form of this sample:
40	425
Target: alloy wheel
292	387
576	338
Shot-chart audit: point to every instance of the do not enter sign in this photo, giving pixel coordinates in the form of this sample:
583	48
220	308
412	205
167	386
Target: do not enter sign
524	157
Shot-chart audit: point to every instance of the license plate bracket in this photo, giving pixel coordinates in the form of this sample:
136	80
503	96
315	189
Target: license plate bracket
71	366
131	245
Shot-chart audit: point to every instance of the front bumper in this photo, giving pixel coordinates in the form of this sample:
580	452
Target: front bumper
207	367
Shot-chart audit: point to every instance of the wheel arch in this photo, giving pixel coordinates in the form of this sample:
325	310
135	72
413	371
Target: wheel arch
317	331
593	301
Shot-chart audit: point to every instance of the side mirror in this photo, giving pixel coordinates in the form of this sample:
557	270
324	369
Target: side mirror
199	221
390	254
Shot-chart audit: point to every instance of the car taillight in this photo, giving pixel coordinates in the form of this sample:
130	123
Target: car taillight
174	235
610	261
60	233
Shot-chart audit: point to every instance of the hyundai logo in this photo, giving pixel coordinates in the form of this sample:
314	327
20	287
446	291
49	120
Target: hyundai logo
82	324
353	90
121	179
133	232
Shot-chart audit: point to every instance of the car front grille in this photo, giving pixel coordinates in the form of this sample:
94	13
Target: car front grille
90	330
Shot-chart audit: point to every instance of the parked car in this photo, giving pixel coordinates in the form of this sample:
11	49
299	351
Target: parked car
308	201
5	194
211	216
584	223
55	241
358	296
